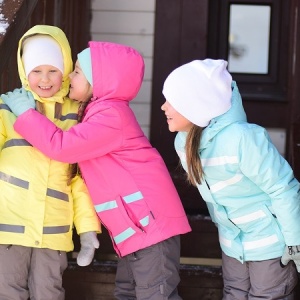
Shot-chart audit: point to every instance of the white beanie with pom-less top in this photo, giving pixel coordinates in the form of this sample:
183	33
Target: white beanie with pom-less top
199	90
40	50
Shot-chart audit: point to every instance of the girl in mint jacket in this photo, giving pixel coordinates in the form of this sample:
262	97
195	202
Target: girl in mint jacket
129	183
250	189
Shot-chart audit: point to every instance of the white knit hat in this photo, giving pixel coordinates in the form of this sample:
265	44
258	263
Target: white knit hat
40	50
199	90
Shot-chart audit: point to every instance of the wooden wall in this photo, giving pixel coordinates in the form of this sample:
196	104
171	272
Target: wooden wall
129	22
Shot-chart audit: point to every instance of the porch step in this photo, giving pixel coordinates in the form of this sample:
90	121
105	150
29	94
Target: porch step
96	282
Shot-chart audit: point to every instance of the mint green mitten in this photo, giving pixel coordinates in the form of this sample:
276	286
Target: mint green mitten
19	101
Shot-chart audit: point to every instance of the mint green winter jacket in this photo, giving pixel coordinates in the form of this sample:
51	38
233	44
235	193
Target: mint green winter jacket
250	190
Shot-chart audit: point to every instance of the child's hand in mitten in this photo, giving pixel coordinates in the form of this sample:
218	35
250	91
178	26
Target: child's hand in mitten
19	101
291	253
89	242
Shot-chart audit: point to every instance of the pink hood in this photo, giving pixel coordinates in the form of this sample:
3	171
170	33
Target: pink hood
113	76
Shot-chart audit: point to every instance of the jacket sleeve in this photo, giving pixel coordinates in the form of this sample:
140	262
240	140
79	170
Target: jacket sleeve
85	217
261	162
101	134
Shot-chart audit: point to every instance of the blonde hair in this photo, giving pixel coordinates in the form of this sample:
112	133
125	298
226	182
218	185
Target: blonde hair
194	167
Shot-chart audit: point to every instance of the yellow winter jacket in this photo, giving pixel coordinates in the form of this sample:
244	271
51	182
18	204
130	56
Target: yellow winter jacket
37	206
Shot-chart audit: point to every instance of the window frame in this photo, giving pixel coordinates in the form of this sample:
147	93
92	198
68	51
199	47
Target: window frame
270	86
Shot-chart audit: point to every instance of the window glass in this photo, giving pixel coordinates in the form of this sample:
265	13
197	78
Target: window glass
249	37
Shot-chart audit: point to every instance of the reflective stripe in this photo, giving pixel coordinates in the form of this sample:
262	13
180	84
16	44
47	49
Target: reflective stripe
56	229
16	142
46	230
4	106
57	194
113	203
145	221
124	235
261	243
12	228
14	180
225	242
249	218
133	197
218	161
222	184
71	116
106	206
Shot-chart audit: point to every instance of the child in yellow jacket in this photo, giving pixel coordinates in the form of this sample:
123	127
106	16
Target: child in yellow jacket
41	198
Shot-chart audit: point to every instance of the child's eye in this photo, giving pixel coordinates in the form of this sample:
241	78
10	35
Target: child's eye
53	71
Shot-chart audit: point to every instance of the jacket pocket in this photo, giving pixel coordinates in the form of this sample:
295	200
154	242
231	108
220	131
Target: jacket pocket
122	219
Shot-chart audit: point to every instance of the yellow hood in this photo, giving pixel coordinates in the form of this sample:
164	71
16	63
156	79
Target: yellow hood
62	40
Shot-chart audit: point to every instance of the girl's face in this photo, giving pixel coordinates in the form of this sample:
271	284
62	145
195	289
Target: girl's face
175	120
80	89
45	80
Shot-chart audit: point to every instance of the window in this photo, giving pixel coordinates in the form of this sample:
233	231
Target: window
249	38
252	37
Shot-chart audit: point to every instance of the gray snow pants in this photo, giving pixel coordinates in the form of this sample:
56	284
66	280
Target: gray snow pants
151	273
258	279
31	272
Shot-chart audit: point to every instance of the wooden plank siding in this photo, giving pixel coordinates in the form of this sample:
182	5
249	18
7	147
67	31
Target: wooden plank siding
129	22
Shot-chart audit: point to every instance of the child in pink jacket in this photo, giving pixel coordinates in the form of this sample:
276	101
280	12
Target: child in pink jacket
129	183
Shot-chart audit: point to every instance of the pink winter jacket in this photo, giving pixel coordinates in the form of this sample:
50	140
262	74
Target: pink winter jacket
129	183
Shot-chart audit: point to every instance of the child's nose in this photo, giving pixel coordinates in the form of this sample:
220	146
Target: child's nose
45	77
